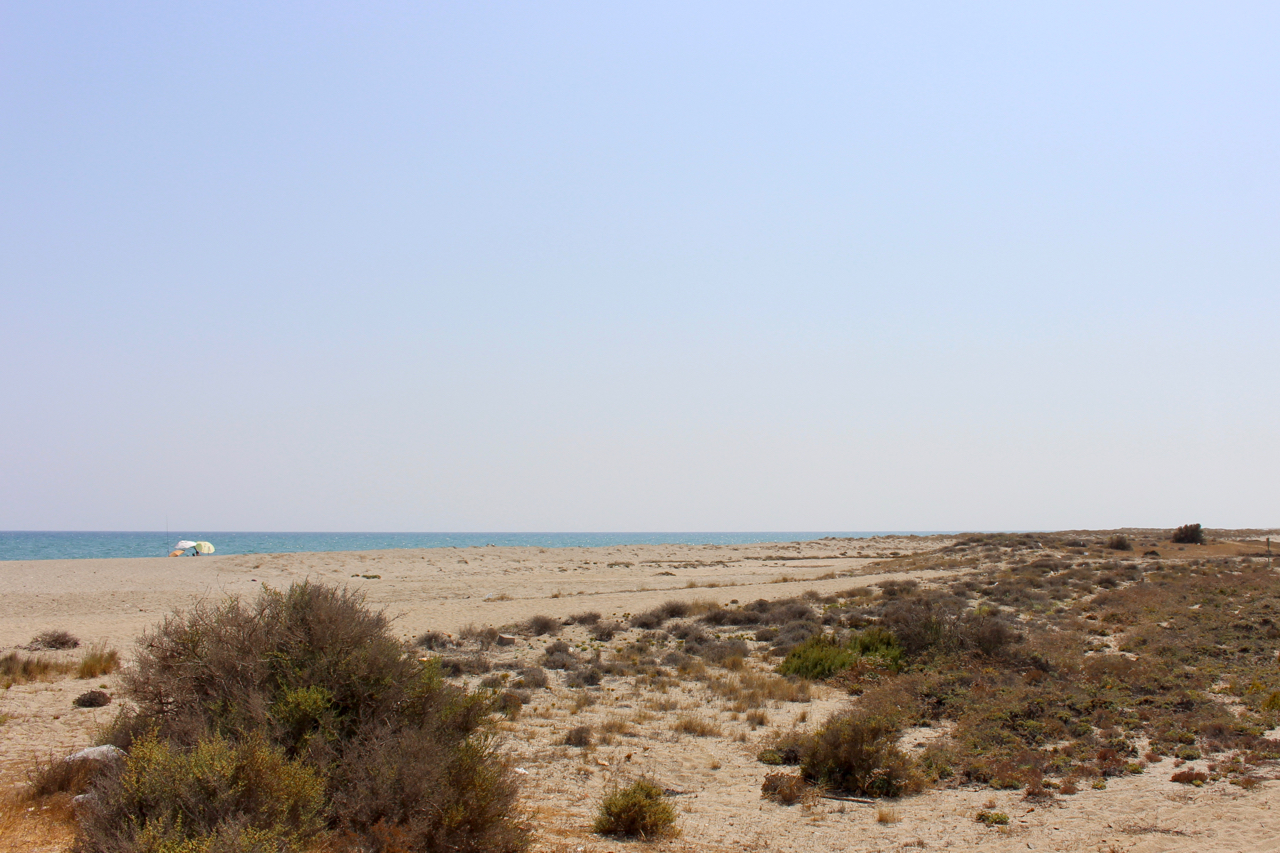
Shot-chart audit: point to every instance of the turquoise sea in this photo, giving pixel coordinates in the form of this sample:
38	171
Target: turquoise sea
62	545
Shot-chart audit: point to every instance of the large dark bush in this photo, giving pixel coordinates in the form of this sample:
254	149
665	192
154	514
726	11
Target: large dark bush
310	672
1188	534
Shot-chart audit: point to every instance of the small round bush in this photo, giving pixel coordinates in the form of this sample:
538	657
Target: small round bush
641	810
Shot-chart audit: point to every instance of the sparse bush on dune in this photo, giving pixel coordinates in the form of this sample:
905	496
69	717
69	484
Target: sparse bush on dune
304	681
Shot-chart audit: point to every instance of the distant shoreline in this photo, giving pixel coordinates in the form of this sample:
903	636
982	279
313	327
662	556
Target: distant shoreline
76	545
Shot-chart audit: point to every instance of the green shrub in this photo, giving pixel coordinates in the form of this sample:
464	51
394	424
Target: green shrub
857	753
818	657
639	810
1188	534
218	796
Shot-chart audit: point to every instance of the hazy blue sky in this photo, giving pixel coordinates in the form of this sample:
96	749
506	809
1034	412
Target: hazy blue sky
661	266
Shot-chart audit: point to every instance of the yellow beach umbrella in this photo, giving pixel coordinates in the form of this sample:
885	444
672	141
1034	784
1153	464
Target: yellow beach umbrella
204	547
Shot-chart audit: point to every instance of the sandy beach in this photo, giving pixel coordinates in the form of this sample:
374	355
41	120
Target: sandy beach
715	779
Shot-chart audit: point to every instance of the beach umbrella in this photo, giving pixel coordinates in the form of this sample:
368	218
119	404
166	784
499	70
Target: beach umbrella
185	544
203	547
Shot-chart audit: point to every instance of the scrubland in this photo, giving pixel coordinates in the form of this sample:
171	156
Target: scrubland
1079	690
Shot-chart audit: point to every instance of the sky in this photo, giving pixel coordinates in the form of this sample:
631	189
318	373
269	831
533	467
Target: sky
660	266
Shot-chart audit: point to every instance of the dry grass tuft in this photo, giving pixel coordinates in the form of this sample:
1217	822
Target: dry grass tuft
17	668
97	662
697	725
28	823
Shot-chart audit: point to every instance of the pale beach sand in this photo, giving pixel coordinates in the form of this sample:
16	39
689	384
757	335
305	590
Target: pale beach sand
718	778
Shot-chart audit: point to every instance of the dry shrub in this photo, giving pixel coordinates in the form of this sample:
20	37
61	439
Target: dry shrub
857	753
540	625
1190	777
52	776
483	637
1119	542
53	640
786	789
578	736
591	617
559	656
312	673
532	678
97	662
589	677
473	664
92	699
641	810
434	641
605	631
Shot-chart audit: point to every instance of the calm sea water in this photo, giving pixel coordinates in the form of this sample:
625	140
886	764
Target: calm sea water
61	545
